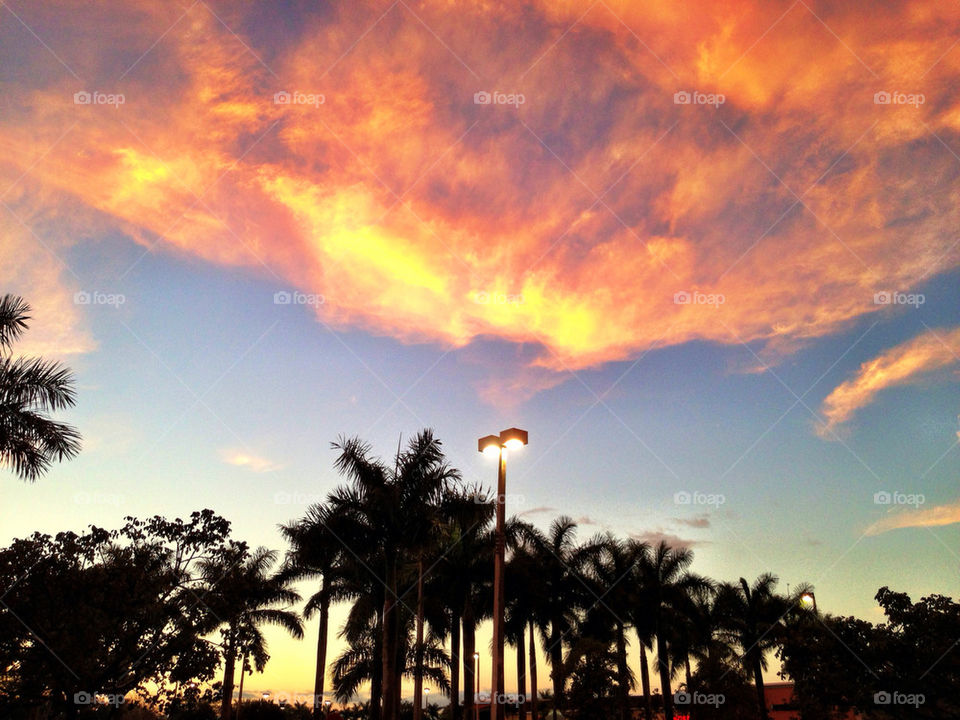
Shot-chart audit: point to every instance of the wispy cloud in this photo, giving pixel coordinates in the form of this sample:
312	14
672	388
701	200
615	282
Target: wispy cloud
698	521
927	517
537	511
654	537
905	363
248	461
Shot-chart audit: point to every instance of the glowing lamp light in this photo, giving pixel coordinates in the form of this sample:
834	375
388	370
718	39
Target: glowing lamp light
809	601
489	445
511	439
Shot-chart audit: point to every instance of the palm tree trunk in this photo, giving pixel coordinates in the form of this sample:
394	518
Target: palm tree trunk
521	676
455	665
645	682
243	668
321	650
418	650
390	637
469	647
556	666
663	663
761	695
533	673
229	665
686	667
623	679
376	681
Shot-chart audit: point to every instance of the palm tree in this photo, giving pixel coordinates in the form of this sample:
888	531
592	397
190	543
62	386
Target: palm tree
615	571
563	566
356	664
666	591
241	594
31	389
752	615
465	551
521	590
317	553
388	515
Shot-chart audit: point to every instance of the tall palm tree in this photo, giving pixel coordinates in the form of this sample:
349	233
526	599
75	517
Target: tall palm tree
465	552
31	389
242	595
642	618
752	615
387	514
317	553
614	570
667	589
522	599
563	566
355	665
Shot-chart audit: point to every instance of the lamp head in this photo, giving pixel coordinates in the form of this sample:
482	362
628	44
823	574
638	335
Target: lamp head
513	438
489	445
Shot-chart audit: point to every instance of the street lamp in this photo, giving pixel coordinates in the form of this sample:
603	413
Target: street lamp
509	439
426	699
809	600
476	684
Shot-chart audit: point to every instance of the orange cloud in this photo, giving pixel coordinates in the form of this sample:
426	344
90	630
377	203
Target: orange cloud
905	363
930	517
592	221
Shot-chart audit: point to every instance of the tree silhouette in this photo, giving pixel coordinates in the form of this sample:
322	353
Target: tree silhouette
31	389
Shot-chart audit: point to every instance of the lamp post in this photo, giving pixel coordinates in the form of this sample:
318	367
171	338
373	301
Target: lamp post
509	439
809	600
426	699
476	685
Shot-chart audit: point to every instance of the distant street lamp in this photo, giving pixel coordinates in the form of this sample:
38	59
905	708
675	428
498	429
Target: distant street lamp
476	685
809	600
510	439
426	699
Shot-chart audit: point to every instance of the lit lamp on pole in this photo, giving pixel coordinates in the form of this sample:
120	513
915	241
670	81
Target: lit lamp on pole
510	439
809	601
476	684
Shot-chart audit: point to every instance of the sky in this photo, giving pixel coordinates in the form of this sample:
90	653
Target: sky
706	253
